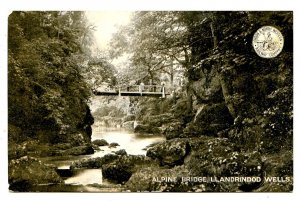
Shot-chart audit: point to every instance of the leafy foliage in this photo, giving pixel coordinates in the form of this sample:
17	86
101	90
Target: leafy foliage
47	94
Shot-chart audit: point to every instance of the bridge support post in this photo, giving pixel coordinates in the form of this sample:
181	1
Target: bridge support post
163	92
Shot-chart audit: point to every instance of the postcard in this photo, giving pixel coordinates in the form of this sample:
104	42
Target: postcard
150	101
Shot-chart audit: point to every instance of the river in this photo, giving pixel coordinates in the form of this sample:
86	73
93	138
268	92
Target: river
84	179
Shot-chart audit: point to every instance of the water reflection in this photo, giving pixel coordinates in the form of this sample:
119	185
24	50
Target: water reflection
133	143
85	176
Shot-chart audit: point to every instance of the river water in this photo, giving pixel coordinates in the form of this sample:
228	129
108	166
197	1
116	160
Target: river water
133	143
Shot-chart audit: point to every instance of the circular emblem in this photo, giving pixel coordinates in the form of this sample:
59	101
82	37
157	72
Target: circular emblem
267	42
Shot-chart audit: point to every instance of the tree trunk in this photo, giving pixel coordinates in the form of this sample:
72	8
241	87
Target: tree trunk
189	94
172	74
150	74
213	35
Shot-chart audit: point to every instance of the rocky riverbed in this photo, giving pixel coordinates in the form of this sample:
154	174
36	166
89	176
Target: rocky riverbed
179	158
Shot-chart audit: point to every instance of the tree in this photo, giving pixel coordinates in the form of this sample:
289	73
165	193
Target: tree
160	42
143	41
99	72
44	76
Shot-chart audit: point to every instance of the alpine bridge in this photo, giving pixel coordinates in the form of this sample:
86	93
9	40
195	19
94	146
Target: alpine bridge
135	90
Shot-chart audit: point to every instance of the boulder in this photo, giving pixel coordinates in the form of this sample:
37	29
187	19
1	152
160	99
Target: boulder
94	162
80	150
218	157
158	120
171	152
121	170
96	148
28	171
278	166
144	128
117	172
77	139
209	120
148	179
113	145
62	146
100	142
121	152
173	130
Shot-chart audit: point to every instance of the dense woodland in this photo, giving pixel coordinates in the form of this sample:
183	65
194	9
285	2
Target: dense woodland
214	50
230	113
47	93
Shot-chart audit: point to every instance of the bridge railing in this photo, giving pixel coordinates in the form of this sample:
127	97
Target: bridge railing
134	90
143	88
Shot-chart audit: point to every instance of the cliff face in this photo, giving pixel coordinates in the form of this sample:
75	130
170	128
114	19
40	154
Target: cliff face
240	95
247	99
212	112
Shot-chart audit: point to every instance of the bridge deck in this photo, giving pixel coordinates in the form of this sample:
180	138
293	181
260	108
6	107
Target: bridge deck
135	90
129	93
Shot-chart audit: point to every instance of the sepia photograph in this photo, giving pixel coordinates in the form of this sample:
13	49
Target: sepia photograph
150	101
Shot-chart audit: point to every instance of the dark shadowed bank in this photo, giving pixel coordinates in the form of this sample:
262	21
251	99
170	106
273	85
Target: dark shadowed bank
48	113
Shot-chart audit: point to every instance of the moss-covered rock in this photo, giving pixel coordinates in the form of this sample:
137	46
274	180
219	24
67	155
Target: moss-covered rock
171	152
100	142
117	172
145	128
121	152
218	157
113	145
28	171
209	120
158	120
280	166
149	179
80	150
173	130
121	170
94	162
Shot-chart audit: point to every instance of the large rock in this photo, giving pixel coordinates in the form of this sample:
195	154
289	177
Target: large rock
28	171
100	142
145	128
210	119
121	152
218	157
173	130
113	145
77	139
121	170
278	166
171	152
149	179
80	150
117	172
94	162
158	120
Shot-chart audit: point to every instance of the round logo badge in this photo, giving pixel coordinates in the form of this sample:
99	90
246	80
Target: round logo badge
267	42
